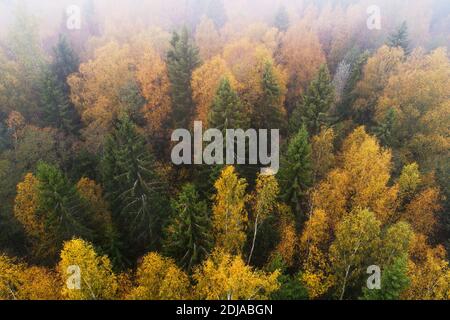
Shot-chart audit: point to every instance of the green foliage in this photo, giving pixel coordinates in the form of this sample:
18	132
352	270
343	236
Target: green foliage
295	174
188	236
400	38
64	213
314	111
227	111
132	187
394	281
182	59
268	112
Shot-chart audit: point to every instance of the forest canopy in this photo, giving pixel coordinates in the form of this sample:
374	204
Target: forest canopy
93	208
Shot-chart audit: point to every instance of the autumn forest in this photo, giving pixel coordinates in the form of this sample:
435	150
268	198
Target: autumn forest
92	206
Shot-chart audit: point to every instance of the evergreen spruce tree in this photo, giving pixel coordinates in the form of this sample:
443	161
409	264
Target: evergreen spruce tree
133	188
314	112
182	59
400	39
282	19
188	237
385	131
58	110
227	111
295	174
60	207
268	114
217	13
394	281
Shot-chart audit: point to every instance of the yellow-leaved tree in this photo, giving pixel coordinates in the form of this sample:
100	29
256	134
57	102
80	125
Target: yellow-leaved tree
229	212
159	278
226	277
85	274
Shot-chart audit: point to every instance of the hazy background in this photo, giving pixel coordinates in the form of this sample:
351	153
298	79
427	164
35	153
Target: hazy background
428	20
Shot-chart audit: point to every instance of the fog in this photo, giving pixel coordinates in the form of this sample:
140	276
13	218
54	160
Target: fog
428	20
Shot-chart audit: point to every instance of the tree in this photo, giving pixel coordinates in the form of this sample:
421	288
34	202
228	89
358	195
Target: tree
361	181
215	10
97	280
227	111
394	281
57	109
314	112
226	277
322	153
188	236
301	54
281	21
375	77
229	212
96	91
421	212
400	39
182	59
206	80
132	187
269	112
264	203
296	172
357	237
159	278
61	210
154	85
208	39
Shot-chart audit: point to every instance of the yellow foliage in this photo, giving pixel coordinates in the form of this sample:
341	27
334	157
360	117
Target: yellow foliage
26	204
159	278
205	82
208	39
154	82
421	212
227	277
229	213
97	282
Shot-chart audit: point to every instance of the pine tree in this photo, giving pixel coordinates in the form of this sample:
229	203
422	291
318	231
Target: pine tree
385	131
314	112
400	39
188	237
132	187
394	281
282	19
61	209
182	59
65	62
57	110
217	13
296	172
227	111
269	113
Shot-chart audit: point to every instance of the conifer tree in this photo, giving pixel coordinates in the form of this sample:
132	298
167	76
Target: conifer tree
182	59
132	187
314	112
282	19
400	39
227	111
60	208
269	113
296	171
188	237
217	13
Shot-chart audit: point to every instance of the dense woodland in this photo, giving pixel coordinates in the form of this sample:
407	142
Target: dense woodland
86	177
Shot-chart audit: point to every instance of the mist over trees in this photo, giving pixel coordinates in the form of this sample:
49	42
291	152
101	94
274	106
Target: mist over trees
86	178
